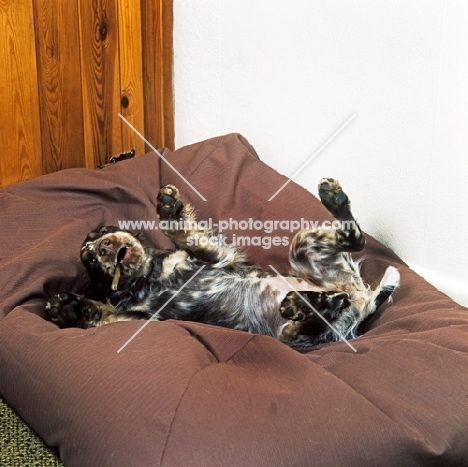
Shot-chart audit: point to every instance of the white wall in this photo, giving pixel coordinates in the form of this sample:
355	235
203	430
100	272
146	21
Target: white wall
287	75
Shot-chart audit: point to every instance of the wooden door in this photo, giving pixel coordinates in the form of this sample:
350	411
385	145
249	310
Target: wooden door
70	67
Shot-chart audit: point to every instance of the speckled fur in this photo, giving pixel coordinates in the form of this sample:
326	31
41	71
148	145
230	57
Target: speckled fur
214	284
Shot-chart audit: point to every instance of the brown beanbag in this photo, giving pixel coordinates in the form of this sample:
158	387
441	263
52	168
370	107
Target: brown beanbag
183	393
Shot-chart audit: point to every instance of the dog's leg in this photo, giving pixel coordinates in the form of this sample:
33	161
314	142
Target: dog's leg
72	310
340	312
311	314
348	233
320	254
323	257
181	227
304	306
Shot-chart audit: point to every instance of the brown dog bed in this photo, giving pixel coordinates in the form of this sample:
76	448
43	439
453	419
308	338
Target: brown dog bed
183	393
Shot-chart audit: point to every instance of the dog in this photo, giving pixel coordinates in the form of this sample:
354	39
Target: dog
323	299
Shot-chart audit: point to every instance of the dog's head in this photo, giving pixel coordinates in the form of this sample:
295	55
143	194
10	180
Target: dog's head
113	256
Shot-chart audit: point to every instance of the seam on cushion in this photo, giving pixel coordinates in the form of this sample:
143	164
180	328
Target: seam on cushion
246	145
161	460
176	410
209	348
202	342
254	336
355	391
412	432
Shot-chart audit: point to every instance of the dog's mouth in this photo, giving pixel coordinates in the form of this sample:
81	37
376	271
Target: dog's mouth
121	254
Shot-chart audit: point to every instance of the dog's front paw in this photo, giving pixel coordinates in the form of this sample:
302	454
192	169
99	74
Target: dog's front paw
69	310
169	203
66	310
92	314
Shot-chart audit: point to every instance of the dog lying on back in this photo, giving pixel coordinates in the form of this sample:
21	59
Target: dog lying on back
323	299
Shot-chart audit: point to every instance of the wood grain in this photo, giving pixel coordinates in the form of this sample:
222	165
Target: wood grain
20	143
131	74
69	68
99	42
60	92
157	43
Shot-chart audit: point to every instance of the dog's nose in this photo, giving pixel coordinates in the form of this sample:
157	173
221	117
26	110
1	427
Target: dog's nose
105	247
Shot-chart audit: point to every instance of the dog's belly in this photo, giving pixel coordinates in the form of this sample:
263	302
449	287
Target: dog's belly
280	286
272	291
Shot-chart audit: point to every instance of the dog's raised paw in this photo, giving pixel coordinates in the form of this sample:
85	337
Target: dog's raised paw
333	197
169	203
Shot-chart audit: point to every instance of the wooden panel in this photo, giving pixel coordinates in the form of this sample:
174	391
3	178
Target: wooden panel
157	78
58	52
99	39
69	68
20	143
131	74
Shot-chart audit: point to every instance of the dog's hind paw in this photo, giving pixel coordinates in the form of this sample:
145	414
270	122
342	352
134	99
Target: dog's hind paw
303	306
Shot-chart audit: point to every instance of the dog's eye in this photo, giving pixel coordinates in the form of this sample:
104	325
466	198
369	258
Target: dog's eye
90	259
103	230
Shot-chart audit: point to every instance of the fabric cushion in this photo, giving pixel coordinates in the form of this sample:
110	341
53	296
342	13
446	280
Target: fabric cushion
182	393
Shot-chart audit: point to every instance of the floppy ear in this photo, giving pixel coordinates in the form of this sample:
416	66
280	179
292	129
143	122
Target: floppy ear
139	236
98	280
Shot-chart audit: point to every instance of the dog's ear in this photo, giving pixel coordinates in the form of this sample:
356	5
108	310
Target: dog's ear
96	233
105	229
139	236
101	231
